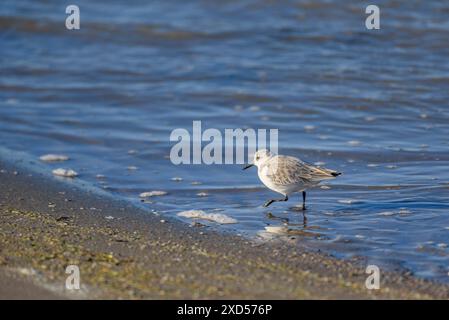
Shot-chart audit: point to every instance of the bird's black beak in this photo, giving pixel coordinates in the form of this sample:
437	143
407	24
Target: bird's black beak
248	166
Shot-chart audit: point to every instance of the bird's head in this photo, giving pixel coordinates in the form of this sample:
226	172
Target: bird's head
259	158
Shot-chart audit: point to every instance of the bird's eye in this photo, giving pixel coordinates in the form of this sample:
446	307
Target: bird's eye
257	158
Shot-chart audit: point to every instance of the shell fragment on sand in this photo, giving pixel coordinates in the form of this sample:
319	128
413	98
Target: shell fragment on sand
53	157
68	173
152	194
200	214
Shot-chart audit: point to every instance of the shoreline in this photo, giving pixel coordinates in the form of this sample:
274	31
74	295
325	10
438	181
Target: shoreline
47	224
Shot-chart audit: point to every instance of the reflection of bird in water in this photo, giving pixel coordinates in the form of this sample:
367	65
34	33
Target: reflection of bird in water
287	175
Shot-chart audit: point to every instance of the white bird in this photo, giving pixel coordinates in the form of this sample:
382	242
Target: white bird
287	175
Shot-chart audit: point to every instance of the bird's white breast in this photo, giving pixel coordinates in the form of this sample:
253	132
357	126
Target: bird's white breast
287	189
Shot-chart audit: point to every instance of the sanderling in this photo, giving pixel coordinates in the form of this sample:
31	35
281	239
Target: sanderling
287	175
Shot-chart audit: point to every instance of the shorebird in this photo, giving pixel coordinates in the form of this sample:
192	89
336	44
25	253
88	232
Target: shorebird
287	175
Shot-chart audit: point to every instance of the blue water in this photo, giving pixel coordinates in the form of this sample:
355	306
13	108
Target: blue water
370	103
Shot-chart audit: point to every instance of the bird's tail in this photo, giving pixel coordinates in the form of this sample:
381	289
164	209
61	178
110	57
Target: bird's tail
324	174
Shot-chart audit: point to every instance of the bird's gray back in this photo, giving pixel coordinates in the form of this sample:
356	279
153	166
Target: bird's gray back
286	170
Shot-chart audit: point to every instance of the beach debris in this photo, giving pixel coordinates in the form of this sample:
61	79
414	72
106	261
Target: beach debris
54	157
68	173
197	224
200	214
152	194
63	218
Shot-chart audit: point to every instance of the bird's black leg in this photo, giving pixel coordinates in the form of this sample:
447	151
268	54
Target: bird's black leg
274	200
303	200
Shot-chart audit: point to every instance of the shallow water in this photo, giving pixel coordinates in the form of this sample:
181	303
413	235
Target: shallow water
372	104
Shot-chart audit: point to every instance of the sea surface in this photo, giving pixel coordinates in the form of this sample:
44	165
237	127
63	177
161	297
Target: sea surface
373	104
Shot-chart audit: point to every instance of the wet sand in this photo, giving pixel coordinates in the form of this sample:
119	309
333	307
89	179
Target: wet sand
47	224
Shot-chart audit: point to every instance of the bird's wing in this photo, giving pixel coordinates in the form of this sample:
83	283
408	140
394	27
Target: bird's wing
285	170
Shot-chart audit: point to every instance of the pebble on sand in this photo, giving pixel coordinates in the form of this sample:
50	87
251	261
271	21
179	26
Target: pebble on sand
152	194
68	173
200	214
53	157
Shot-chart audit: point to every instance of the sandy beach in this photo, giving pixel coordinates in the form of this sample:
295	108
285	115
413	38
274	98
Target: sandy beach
128	253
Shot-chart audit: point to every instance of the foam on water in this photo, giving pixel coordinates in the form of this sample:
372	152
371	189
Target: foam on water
68	173
53	157
200	214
